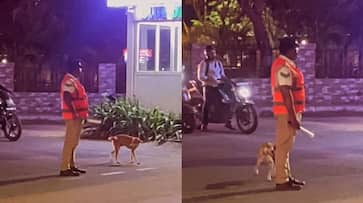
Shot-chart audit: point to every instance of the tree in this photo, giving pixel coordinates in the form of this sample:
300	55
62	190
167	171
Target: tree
331	24
254	10
224	25
37	26
325	22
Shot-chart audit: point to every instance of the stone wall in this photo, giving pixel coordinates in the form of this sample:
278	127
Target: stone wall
331	95
322	94
43	104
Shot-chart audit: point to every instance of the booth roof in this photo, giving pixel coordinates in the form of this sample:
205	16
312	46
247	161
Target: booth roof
142	3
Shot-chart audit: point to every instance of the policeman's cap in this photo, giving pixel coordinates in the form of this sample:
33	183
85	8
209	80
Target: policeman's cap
74	65
287	43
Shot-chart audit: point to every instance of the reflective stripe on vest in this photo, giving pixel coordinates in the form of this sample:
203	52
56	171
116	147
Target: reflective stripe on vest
79	99
297	89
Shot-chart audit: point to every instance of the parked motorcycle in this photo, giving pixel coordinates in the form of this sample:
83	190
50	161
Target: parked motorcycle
244	110
190	109
9	121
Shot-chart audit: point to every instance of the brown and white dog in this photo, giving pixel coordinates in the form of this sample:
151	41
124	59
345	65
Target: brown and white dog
266	155
124	140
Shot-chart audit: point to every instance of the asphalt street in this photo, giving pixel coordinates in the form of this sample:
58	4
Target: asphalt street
218	165
29	171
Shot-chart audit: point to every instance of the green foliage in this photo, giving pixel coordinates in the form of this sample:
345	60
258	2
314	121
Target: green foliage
226	16
224	25
128	116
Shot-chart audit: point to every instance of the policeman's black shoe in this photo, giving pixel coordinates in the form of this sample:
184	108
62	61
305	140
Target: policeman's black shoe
68	172
203	128
75	169
296	181
288	187
229	126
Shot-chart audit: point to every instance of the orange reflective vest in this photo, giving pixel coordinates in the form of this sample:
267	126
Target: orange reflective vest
79	99
298	89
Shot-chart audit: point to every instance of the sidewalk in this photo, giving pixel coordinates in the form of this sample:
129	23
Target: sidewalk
319	111
263	112
41	119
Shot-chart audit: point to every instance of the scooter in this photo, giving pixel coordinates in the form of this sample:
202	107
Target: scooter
191	116
244	110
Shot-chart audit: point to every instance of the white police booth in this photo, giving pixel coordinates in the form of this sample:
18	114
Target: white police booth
154	52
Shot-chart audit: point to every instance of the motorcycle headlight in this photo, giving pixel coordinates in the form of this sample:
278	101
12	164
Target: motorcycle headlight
244	92
10	102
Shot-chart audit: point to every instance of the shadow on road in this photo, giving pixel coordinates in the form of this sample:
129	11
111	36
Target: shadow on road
29	179
214	132
246	161
222	185
3	139
226	195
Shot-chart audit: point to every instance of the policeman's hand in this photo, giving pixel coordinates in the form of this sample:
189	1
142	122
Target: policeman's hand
75	115
294	123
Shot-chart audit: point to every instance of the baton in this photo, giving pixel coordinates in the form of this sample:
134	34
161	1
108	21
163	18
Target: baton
308	132
94	121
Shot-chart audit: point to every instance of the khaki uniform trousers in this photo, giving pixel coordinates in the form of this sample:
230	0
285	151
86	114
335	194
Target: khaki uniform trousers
71	140
285	138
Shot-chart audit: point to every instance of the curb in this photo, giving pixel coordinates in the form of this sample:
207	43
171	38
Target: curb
269	114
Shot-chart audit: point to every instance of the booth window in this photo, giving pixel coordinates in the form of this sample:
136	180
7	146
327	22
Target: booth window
147	47
164	56
158	47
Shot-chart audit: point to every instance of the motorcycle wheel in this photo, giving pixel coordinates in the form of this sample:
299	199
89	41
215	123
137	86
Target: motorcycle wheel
88	132
188	123
246	117
12	128
115	131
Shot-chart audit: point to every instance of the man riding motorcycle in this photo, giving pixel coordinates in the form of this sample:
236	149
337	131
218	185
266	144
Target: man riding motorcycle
212	76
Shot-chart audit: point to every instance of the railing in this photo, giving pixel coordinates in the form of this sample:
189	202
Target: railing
247	64
337	63
45	76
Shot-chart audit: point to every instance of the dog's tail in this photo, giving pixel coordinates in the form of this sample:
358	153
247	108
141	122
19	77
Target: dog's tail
112	138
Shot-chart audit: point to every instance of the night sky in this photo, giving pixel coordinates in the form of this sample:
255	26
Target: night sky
91	23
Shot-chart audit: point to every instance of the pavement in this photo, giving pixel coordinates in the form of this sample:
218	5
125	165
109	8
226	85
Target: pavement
29	171
218	165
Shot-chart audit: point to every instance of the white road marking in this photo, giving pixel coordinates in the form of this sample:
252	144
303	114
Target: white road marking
145	169
112	173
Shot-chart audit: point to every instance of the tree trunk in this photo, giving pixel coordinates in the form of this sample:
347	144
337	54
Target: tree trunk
255	15
254	12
